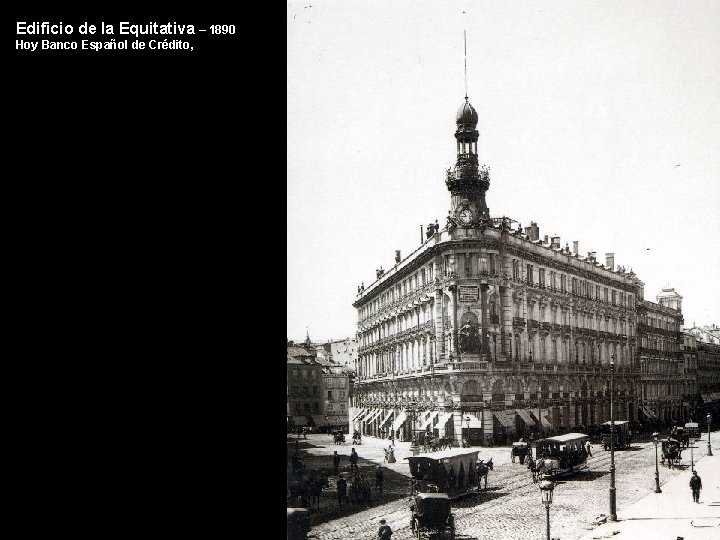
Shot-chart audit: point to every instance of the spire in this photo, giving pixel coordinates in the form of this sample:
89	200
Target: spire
465	43
307	338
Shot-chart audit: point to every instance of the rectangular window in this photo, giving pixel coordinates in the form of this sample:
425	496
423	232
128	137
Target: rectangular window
316	408
295	390
613	297
597	292
573	288
295	372
553	284
516	269
329	394
306	407
493	269
529	276
542	277
342	393
314	390
298	408
605	294
563	283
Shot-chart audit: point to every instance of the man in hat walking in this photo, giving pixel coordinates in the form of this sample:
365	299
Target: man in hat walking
384	532
695	486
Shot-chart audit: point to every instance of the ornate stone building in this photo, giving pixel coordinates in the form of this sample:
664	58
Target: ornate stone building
661	357
485	330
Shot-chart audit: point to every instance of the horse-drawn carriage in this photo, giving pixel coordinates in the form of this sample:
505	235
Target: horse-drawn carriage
520	450
305	486
623	435
431	514
693	429
431	443
339	437
454	472
561	455
671	452
683	437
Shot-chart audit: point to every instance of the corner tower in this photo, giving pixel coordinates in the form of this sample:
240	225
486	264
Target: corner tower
467	182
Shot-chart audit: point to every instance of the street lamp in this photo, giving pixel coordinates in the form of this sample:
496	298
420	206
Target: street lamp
709	418
613	514
657	474
546	488
467	423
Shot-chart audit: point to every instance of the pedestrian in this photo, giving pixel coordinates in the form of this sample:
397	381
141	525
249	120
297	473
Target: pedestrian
391	455
353	460
379	478
341	490
589	449
336	463
304	433
696	486
384	532
512	454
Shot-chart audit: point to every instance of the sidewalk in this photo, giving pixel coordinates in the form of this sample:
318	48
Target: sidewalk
672	513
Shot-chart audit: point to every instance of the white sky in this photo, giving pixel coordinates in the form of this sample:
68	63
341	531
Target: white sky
586	109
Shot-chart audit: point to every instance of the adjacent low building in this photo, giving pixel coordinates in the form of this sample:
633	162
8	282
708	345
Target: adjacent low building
318	393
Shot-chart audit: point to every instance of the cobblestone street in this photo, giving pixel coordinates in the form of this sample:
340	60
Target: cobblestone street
511	506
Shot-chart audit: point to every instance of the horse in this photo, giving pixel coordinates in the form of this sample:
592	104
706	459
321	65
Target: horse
482	469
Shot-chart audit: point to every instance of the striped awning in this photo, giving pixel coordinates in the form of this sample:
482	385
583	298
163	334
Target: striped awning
357	415
399	420
648	412
504	419
386	418
525	416
364	415
443	420
545	422
374	415
428	423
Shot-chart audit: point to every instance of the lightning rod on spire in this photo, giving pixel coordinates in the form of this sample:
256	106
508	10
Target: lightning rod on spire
465	44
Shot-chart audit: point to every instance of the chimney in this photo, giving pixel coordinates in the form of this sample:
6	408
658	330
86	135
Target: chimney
610	260
591	256
397	256
545	240
555	242
379	272
576	247
533	231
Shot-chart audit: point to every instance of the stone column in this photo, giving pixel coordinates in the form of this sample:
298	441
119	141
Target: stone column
453	330
506	322
439	327
484	348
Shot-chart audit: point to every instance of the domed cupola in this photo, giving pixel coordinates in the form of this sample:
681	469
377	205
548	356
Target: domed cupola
467	115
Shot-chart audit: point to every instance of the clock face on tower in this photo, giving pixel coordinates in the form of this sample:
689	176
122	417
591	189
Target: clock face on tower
465	216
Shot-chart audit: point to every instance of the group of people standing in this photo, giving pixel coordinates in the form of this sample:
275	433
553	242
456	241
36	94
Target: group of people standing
357	489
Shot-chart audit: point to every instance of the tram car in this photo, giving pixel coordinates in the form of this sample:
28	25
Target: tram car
562	455
449	471
623	435
681	434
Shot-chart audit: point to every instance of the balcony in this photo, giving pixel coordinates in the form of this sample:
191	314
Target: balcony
533	324
519	322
